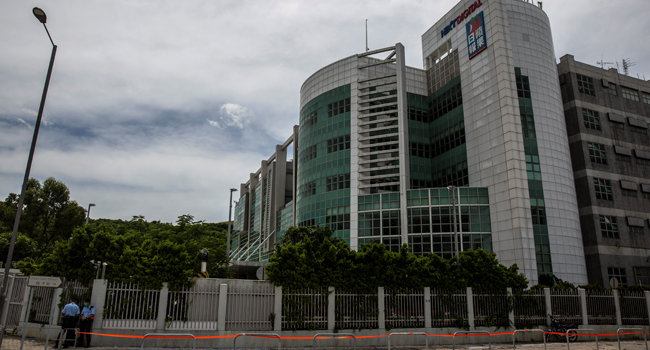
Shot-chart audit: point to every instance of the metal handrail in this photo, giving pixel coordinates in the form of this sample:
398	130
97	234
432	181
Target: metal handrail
334	335
250	245
410	333
472	332
579	329
528	330
618	337
274	335
265	239
169	335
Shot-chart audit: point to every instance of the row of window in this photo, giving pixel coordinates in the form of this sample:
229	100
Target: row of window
338	144
609	227
603	189
338	107
592	120
586	86
337	182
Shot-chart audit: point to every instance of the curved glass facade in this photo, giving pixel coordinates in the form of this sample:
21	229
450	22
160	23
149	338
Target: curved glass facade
323	188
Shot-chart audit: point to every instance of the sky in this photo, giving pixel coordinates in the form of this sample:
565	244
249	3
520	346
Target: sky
157	108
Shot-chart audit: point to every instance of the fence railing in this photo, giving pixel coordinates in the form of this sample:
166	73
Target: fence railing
600	307
529	309
565	305
633	308
448	309
404	308
491	310
129	307
356	311
304	309
250	306
193	308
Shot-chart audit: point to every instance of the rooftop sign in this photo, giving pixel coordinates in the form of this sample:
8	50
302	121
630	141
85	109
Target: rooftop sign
461	17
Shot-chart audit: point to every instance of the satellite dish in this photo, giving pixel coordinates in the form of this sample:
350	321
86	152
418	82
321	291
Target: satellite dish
261	275
613	282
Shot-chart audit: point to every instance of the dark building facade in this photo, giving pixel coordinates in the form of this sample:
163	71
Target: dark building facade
607	117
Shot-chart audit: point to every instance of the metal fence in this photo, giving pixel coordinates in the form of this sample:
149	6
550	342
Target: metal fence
529	308
129	307
565	305
16	302
304	309
600	307
356	311
404	308
633	308
42	305
448	309
193	308
250	306
492	310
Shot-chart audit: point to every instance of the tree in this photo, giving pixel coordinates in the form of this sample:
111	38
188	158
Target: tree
49	215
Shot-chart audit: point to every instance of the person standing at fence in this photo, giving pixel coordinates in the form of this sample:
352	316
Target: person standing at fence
86	324
69	317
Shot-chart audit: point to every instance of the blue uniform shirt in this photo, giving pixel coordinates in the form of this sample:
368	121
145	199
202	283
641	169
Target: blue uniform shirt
71	309
88	310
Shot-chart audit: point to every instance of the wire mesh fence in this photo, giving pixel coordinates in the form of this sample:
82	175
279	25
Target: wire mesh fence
633	308
129	307
600	307
529	308
193	308
304	309
449	309
250	306
565	305
404	308
356	311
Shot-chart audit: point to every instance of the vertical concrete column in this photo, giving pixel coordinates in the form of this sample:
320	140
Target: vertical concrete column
427	307
162	308
296	129
221	311
547	301
511	313
470	308
583	306
402	124
380	307
97	299
57	310
331	308
277	322
647	301
617	306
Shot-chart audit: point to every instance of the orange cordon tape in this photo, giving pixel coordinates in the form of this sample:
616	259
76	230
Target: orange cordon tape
344	337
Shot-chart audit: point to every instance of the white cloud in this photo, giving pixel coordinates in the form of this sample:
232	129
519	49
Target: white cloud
28	111
213	123
233	114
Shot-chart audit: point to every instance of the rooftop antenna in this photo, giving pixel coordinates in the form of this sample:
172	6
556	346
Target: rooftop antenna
626	65
603	63
367	35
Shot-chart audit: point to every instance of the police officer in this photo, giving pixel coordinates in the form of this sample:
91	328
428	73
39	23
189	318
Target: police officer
86	325
69	316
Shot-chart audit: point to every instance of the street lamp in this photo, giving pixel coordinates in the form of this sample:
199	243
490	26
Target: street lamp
229	215
88	215
40	15
453	210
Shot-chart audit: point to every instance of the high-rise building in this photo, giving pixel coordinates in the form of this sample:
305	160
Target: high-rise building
607	116
388	153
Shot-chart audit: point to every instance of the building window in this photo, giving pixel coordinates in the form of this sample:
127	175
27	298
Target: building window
337	182
603	188
338	144
369	224
338	107
629	193
523	87
608	226
308	154
642	275
611	89
392	244
308	189
636	229
597	153
338	221
591	118
418	220
645	195
617	126
539	215
390	223
623	158
646	97
618	273
630	94
586	85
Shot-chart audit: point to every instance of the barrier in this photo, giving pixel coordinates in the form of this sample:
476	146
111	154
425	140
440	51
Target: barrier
61	340
263	335
167	336
618	336
472	332
514	346
411	333
575	330
335	335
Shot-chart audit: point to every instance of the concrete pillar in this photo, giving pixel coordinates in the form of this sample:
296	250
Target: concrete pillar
162	308
647	301
380	308
57	309
617	306
296	129
402	127
470	308
511	312
583	306
549	310
427	307
97	299
331	308
221	311
277	322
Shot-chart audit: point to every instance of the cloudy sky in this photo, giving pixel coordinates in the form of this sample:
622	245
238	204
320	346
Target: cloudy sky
157	108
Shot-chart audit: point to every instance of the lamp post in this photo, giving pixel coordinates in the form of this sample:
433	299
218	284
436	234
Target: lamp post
453	210
40	15
88	215
229	215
